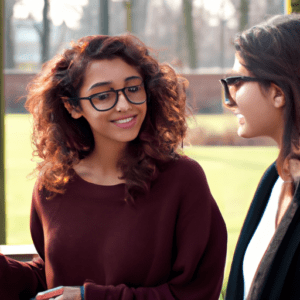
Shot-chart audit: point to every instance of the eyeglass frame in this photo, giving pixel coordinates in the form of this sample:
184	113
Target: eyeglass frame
117	97
228	98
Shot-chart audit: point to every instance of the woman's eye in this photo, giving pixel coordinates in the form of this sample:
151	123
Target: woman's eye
133	89
102	96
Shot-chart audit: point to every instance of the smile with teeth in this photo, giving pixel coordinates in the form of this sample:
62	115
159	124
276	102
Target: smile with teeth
122	121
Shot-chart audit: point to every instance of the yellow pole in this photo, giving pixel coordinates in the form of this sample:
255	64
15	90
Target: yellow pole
288	6
2	169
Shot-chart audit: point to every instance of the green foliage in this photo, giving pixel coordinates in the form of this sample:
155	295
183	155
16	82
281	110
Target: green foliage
244	14
295	6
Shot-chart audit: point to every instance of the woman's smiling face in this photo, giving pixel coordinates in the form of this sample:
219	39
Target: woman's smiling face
121	123
258	111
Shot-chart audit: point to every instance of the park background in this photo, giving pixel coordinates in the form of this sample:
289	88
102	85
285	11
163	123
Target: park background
193	36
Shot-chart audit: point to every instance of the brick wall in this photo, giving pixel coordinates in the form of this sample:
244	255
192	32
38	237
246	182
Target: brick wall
15	91
204	93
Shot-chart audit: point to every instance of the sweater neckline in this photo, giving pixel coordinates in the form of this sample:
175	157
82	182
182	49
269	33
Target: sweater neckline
78	187
78	177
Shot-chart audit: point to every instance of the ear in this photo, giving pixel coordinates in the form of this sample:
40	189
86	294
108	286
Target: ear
75	113
278	96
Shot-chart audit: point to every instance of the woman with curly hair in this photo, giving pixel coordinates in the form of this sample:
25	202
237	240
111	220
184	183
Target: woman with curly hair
117	213
264	93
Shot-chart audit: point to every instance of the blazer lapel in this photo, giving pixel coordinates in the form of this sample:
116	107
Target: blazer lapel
286	250
235	287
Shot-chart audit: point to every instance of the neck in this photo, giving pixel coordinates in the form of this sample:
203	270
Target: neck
277	137
101	166
106	155
277	132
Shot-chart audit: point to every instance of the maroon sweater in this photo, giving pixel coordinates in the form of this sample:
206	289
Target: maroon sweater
170	244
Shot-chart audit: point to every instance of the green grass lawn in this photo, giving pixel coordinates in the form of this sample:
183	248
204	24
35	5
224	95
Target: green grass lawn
232	172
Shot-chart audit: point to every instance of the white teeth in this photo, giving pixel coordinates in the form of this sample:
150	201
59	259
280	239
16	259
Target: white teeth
240	116
124	120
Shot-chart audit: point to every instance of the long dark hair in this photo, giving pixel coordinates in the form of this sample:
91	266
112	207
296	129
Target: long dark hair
271	50
61	141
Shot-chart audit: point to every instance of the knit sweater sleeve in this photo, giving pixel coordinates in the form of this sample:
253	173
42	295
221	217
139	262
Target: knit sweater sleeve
21	280
199	250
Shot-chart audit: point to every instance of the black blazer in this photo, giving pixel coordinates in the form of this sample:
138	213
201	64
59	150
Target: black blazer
282	281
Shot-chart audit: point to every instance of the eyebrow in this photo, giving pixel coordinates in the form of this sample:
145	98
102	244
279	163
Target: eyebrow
97	84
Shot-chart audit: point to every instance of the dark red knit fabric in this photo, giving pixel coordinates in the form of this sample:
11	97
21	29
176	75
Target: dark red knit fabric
170	244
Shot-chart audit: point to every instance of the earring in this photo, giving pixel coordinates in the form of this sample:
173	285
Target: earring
279	102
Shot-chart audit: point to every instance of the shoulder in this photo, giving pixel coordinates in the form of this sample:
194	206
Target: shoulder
271	170
269	177
39	194
196	203
184	164
185	178
186	170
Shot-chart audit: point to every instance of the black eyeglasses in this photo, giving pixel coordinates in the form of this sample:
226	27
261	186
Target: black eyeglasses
135	94
234	81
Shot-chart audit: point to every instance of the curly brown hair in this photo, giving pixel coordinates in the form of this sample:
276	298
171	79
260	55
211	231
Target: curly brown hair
61	141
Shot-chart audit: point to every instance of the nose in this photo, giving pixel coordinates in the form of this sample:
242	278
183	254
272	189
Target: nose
123	104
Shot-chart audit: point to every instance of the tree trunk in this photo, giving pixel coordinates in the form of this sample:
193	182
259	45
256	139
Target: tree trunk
9	36
222	44
104	17
189	30
46	33
244	14
128	6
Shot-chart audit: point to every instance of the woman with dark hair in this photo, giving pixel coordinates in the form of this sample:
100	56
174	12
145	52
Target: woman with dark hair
264	93
117	212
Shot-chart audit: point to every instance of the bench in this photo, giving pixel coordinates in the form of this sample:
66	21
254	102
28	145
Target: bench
19	252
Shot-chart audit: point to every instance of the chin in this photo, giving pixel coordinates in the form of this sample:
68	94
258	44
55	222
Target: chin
244	134
127	138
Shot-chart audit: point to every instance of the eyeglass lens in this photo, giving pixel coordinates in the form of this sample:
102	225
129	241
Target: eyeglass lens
135	93
226	97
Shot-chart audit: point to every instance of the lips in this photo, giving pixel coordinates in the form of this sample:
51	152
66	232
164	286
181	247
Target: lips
126	122
122	121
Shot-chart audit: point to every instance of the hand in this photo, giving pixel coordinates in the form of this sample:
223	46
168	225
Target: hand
70	293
